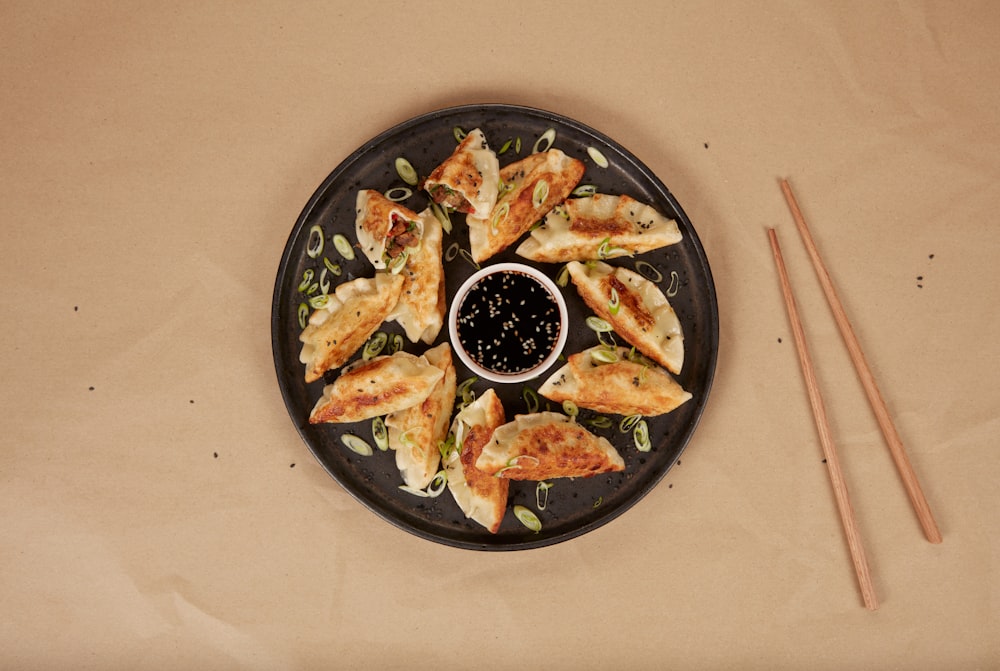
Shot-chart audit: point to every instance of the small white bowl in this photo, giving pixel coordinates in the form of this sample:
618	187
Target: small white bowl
510	331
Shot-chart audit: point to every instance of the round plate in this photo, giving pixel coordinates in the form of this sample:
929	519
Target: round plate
574	506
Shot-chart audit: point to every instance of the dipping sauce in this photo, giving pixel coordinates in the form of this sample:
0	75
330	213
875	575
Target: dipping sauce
508	322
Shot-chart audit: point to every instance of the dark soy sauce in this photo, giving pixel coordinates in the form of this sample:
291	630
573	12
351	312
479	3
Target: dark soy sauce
508	322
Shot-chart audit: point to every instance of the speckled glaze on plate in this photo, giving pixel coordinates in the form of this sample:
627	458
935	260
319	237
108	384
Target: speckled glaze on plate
575	506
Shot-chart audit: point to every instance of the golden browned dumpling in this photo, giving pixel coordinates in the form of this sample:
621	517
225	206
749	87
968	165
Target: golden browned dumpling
613	380
531	187
546	445
469	179
381	386
644	316
482	497
386	230
414	432
599	227
421	307
352	313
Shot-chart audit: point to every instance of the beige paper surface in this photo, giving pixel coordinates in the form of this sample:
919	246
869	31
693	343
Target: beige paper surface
159	509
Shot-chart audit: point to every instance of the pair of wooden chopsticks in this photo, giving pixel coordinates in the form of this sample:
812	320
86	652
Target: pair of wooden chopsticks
892	438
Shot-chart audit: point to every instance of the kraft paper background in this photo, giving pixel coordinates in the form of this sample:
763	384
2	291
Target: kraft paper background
158	508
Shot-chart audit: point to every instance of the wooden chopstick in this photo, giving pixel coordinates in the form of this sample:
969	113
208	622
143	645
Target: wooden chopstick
892	439
826	440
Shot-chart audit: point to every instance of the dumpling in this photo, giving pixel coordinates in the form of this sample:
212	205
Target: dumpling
644	316
468	181
599	227
381	386
386	230
614	382
422	303
414	432
531	187
546	445
482	497
352	313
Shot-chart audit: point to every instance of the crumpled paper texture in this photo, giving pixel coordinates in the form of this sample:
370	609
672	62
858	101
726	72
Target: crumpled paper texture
160	510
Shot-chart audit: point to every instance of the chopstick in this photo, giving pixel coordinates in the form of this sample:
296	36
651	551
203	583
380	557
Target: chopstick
826	440
892	439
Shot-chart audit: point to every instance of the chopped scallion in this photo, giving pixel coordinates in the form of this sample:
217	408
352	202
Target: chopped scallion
307	278
640	433
530	397
540	194
380	434
314	247
598	325
598	158
648	271
527	518
584	190
406	171
458	133
545	141
398	194
303	314
674	284
542	494
356	444
375	345
343	246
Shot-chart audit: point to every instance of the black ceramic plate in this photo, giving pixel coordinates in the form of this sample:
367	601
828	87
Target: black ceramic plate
574	506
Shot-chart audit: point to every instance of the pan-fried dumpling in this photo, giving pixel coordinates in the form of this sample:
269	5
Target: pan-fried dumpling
531	187
386	230
644	317
468	181
414	432
422	303
482	497
599	226
546	445
381	386
614	381
352	313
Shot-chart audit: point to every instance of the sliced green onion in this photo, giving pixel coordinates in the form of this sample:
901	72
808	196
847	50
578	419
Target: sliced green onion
452	251
458	133
356	444
467	255
380	434
319	302
324	282
598	502
505	147
542	494
643	374
398	194
530	397
607	338
540	194
395	343
545	141
584	190
504	188
398	263
648	271
303	314
405	440
605	356
598	422
562	279
314	247
374	346
628	423
597	157
413	490
332	267
640	433
606	250
343	246
674	284
517	145
527	518
442	216
406	171
446	447
597	324
437	484
313	288
464	390
499	218
615	302
570	408
307	278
